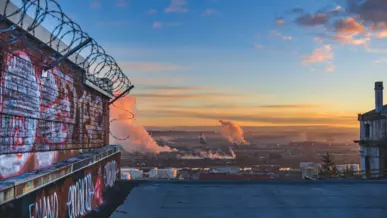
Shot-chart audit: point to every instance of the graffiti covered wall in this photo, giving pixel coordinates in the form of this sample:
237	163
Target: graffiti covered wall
74	196
51	111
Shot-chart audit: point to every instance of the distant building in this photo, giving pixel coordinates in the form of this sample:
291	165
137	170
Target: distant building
309	169
373	137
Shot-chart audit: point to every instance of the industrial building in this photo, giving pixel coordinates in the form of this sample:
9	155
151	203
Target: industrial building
54	114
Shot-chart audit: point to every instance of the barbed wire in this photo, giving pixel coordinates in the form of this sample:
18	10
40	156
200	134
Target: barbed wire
101	69
131	116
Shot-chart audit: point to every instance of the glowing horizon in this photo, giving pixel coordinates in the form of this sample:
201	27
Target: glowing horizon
298	63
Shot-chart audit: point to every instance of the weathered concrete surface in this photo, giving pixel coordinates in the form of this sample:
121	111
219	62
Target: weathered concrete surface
279	199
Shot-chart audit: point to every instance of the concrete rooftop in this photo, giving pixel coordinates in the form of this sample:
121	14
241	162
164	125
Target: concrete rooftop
266	199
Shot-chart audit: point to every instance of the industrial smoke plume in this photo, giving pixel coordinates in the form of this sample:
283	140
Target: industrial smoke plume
232	132
123	126
213	155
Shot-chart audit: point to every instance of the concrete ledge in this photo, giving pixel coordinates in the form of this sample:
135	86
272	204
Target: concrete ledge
16	187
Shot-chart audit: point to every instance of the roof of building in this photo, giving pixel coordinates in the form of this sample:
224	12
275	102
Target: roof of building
373	115
256	199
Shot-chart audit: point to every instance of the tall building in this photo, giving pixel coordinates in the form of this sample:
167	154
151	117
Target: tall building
373	137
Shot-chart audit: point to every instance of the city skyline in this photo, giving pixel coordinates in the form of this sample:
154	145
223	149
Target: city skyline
257	63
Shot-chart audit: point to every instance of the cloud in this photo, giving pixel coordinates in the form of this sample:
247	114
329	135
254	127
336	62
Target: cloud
297	10
318	40
275	33
312	20
156	80
226	105
174	88
111	23
209	12
316	119
371	11
258	46
177	6
279	21
95	4
160	25
381	61
151	11
189	96
321	54
349	26
121	3
149	67
289	106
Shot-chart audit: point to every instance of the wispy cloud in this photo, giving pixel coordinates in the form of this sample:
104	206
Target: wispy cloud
209	12
295	118
175	88
312	19
279	21
290	106
149	67
177	6
121	3
151	11
189	96
226	105
258	46
275	33
160	25
95	4
111	23
381	61
322	55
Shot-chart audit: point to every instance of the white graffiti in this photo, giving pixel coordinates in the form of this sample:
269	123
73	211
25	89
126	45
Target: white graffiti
55	107
80	197
46	207
110	173
21	98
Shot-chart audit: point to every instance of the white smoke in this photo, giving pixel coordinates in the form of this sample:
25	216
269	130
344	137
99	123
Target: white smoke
213	155
232	132
123	127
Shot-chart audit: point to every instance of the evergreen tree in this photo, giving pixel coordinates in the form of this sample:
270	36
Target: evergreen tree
328	168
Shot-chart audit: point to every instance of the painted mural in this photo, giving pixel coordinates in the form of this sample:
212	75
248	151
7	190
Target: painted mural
47	111
74	196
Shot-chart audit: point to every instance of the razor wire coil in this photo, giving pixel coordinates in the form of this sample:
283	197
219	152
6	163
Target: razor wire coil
130	116
101	69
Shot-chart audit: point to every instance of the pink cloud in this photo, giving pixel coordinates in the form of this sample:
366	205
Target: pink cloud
209	12
95	4
275	33
121	3
151	11
149	67
160	25
279	21
320	55
177	6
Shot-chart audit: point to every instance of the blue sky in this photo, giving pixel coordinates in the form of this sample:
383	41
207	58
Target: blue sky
237	59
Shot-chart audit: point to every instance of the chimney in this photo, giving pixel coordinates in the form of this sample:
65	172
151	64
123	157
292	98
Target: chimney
378	96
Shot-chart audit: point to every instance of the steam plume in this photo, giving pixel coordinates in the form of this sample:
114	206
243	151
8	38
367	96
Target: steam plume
209	155
232	132
122	127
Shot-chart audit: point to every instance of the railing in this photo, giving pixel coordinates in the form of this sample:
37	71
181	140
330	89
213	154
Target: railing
30	15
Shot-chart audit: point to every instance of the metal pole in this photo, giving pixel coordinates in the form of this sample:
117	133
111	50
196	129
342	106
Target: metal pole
72	51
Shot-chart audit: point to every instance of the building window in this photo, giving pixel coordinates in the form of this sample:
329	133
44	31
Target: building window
367	130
